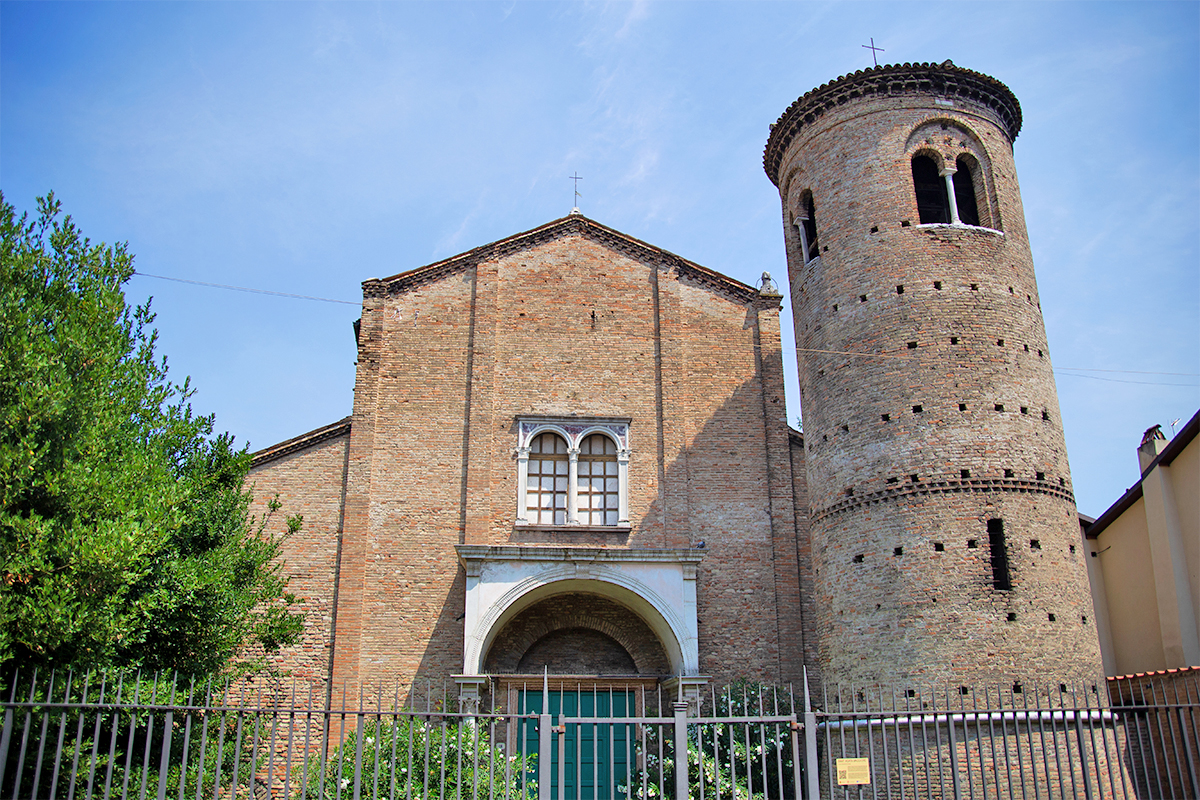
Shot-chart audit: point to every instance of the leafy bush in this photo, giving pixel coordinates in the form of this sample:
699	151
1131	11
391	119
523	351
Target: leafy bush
735	760
430	755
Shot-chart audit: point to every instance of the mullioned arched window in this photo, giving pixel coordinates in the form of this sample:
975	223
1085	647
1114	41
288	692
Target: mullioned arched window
951	175
573	471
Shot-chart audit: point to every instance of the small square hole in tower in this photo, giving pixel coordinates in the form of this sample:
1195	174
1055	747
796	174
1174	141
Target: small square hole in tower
874	229
938	547
862	298
972	544
962	406
1041	476
964	473
1008	473
905	223
912	345
1046	415
858	559
1051	617
1012	616
917	409
914	478
937	285
1035	544
999	406
1024	410
899	551
974	287
953	340
900	290
886	417
999	343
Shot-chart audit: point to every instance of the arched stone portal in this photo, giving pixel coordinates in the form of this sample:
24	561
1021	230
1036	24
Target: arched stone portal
657	587
577	634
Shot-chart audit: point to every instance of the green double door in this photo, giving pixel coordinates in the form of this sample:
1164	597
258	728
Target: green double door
597	756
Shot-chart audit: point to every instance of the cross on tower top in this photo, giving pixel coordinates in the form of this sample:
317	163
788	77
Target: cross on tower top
577	179
873	50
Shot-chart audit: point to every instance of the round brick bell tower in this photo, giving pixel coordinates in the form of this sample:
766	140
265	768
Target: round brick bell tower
945	538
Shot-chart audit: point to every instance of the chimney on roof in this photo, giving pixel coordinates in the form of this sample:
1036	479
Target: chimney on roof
1153	443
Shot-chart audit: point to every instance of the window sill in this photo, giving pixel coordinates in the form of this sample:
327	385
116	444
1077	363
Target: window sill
957	226
538	526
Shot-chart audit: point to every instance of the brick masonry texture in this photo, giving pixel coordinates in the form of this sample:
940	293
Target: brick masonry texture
307	475
569	319
550	633
860	548
947	416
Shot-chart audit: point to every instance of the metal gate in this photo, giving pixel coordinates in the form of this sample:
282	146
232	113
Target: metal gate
105	736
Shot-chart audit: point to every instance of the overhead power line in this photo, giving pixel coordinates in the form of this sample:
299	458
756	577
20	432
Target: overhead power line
1130	371
247	289
1073	371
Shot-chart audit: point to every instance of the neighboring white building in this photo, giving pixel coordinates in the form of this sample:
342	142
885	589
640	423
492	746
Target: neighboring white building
1144	561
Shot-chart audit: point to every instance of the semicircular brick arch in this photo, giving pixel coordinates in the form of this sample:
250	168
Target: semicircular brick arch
579	610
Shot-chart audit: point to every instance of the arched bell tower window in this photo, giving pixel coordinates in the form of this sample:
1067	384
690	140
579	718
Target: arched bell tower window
951	174
933	200
964	191
806	226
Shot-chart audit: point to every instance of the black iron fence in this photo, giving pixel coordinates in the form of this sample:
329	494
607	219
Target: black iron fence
135	736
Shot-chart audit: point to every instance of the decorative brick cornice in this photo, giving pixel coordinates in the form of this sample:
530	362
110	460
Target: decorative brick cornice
940	80
925	488
570	225
301	442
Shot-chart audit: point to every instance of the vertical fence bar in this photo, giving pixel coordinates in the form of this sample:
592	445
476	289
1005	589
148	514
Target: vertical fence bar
1183	734
204	737
187	737
1087	783
164	760
87	682
954	766
1012	702
287	767
681	759
62	723
37	765
6	732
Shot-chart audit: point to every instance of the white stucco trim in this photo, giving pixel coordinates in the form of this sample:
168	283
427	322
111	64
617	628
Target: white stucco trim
657	585
573	430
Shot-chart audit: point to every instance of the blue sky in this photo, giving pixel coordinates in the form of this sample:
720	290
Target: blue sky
304	147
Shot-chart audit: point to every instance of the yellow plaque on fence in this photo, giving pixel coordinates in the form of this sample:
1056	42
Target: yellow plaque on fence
853	771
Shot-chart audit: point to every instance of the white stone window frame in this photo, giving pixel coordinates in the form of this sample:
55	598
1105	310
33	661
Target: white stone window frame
945	156
573	430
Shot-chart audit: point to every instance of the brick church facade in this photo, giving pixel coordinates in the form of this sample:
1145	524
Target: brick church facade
569	448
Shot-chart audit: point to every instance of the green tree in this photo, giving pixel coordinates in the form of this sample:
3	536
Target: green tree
125	533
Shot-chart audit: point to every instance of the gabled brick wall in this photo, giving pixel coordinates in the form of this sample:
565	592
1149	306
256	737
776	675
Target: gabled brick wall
571	318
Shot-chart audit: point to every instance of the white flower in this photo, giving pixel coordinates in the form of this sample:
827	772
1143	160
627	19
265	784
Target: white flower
345	782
